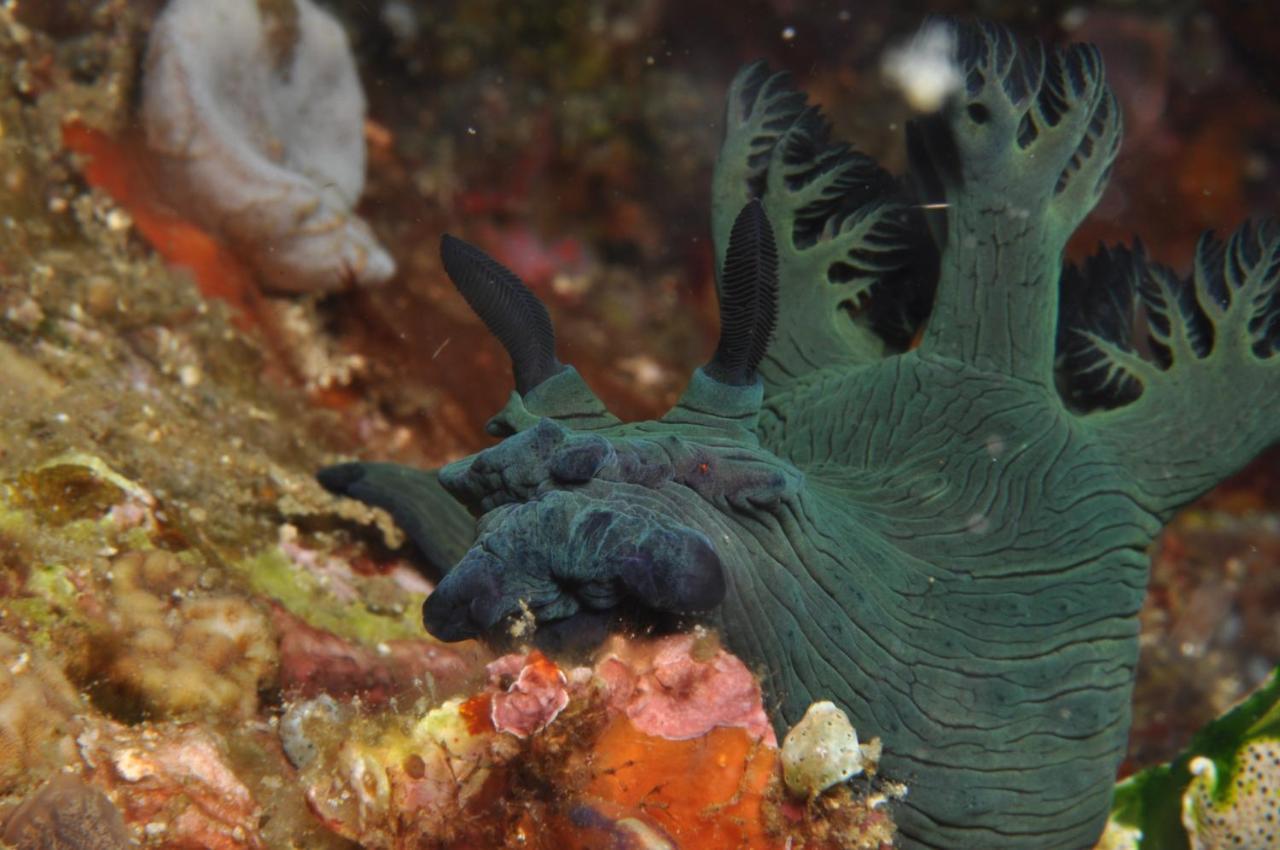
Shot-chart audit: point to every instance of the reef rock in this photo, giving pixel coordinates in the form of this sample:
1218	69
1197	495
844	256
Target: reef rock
179	652
174	782
557	760
255	115
66	814
371	779
314	661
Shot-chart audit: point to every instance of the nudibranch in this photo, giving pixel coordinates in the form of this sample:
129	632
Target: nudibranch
947	539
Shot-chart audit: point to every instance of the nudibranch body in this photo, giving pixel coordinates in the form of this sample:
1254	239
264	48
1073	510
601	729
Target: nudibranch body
947	541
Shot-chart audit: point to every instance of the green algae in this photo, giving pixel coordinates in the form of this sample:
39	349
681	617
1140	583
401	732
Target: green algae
68	500
61	510
270	573
49	606
66	492
50	583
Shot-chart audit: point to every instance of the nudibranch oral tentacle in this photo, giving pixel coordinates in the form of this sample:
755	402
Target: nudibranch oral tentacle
948	541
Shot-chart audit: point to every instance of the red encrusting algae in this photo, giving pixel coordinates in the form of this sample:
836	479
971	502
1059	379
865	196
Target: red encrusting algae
117	166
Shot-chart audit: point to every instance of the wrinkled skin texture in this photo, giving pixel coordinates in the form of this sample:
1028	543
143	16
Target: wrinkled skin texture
947	541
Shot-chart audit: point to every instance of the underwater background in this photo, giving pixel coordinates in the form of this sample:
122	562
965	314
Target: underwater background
201	647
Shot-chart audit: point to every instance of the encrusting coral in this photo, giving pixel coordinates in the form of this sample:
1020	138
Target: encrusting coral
254	114
175	651
939	523
681	687
38	715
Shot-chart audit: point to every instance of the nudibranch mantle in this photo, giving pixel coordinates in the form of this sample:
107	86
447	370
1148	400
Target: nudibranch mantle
947	540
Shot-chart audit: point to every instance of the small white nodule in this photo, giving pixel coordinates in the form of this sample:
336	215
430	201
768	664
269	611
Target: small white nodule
821	751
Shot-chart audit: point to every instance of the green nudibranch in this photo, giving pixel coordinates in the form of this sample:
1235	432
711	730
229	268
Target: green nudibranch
947	540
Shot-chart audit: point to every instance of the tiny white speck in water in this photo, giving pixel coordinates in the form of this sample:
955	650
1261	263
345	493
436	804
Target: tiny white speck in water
788	33
400	18
925	68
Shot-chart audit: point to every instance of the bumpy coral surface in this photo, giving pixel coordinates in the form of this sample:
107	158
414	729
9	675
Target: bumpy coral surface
137	415
39	712
932	507
255	115
537	693
180	651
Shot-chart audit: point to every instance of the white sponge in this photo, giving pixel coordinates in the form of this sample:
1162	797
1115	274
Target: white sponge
255	115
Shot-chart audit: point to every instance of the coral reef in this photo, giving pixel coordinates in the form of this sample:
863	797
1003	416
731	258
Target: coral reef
898	484
315	661
375	782
156	409
561	743
156	633
255	116
537	694
682	686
